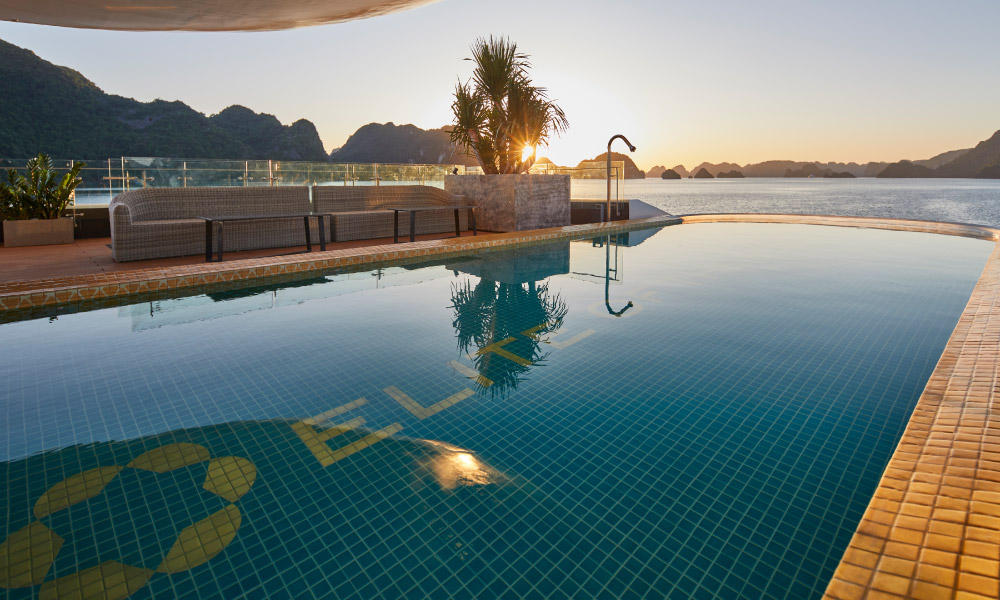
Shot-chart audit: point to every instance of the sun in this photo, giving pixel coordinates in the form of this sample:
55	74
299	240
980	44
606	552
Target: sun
526	153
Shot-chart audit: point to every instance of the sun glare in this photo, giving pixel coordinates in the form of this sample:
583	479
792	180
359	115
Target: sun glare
526	153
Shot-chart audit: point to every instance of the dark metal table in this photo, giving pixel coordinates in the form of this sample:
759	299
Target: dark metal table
413	210
222	219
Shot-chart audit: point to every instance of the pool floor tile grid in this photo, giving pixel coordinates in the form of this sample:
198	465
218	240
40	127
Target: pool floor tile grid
932	529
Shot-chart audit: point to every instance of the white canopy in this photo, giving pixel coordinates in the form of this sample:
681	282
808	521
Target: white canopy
196	15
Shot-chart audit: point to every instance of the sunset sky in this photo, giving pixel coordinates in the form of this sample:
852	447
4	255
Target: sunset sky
686	81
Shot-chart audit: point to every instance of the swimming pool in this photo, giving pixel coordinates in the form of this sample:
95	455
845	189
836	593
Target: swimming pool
485	426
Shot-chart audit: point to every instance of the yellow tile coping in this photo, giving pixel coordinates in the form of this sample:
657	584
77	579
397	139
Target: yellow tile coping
932	528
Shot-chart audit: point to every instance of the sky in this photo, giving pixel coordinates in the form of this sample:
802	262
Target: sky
735	81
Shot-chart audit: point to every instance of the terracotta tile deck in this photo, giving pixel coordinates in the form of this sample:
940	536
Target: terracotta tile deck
96	277
932	529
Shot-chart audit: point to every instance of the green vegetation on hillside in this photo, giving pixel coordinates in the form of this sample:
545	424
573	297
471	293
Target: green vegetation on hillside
56	110
391	143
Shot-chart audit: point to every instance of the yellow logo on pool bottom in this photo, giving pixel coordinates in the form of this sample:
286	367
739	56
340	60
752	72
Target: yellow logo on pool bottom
27	554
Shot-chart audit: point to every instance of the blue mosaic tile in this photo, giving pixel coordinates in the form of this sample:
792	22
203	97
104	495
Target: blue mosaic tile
718	439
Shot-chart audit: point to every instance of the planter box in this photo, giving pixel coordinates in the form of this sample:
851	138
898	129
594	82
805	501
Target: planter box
515	202
38	232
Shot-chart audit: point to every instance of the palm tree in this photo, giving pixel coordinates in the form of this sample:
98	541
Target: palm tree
500	117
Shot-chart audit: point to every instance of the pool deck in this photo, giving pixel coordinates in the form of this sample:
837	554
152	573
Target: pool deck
932	529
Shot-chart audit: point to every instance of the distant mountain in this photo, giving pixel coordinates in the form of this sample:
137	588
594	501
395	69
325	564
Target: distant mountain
770	168
704	173
734	174
991	172
853	168
655	172
631	170
945	157
779	168
981	162
808	170
406	144
680	170
53	109
906	169
874	168
670	174
268	138
714	170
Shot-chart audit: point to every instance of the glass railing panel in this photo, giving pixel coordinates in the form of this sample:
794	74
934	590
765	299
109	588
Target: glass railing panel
104	178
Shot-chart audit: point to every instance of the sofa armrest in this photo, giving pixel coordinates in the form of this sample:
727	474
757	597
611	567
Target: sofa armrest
119	213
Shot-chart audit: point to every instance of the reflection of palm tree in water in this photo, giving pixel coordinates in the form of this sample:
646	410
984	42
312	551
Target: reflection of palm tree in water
493	312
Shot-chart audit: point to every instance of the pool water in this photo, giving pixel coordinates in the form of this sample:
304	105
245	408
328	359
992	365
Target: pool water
695	411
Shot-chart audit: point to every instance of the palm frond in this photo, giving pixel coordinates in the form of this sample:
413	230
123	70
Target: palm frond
499	112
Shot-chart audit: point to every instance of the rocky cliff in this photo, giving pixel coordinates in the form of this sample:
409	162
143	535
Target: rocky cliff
655	172
981	162
53	109
391	143
631	170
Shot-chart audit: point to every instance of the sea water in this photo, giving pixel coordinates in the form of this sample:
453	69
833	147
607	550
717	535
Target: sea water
958	200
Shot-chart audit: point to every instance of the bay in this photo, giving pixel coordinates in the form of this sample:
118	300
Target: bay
974	201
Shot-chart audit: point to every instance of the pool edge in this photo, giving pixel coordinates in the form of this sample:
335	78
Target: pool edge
100	286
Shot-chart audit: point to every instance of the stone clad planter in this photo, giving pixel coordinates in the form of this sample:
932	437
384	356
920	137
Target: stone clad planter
38	232
515	202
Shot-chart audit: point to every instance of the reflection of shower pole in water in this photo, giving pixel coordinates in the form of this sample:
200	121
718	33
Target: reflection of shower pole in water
607	278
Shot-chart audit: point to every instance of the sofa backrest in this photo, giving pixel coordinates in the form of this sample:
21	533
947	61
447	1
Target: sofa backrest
153	204
332	198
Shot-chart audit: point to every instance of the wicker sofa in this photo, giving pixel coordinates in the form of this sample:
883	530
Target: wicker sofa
162	222
359	213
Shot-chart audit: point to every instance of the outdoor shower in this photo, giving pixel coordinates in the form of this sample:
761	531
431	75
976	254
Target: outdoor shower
631	148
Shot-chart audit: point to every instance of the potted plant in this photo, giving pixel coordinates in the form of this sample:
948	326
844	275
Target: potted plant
501	118
32	204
